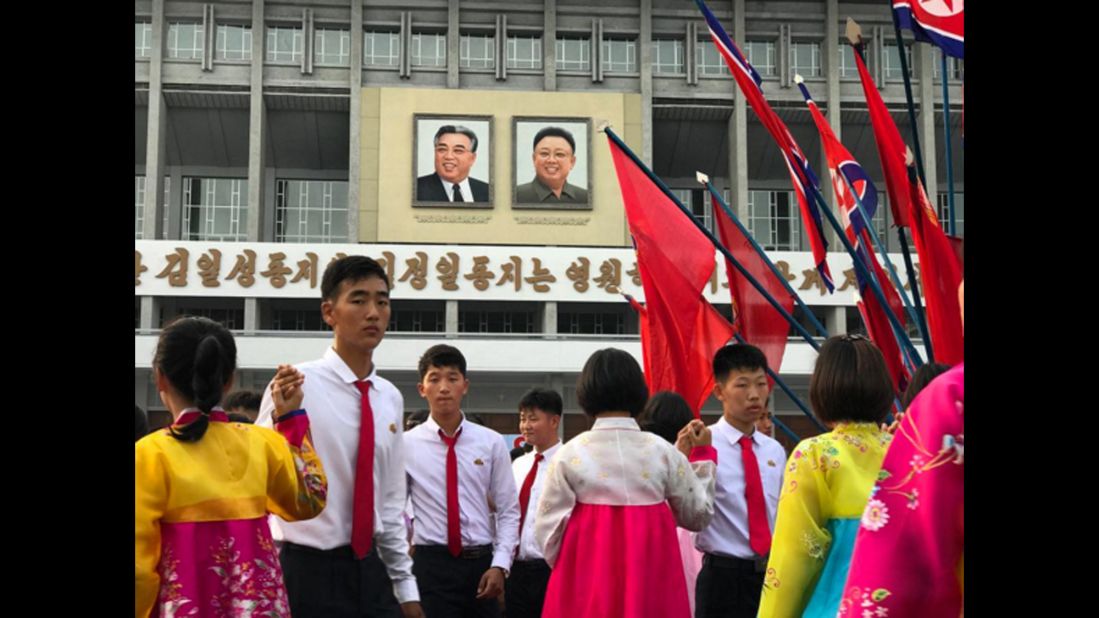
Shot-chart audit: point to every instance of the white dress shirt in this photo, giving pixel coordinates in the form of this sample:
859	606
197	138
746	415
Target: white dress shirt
618	464
484	473
467	191
528	547
334	405
727	534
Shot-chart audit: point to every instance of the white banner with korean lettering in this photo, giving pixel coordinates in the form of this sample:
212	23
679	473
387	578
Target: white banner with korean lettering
455	272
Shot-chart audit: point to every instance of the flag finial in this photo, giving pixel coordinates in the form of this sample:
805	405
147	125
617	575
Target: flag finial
798	79
854	31
908	158
603	125
701	178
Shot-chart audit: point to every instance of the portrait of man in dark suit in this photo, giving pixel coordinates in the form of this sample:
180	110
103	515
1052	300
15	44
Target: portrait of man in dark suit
455	148
554	157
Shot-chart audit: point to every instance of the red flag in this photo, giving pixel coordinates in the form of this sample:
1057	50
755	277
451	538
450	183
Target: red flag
646	340
757	320
675	260
877	324
890	147
940	275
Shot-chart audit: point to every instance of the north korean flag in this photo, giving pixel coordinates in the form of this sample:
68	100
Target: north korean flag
936	21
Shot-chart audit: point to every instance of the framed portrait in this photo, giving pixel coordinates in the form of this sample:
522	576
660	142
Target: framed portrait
452	161
552	163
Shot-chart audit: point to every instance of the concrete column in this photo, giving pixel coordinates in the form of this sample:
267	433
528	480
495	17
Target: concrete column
835	320
451	318
257	130
251	314
453	44
549	319
549	46
924	94
738	130
354	163
149	309
831	52
157	130
645	54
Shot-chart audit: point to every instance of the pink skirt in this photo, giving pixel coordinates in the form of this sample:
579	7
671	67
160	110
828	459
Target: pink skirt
620	561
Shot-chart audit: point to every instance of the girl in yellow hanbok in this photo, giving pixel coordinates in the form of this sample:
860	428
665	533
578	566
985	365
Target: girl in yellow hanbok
203	486
828	481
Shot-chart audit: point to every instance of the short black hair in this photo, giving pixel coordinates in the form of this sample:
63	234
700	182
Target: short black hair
850	381
351	268
546	400
611	381
442	355
666	414
237	417
923	376
738	356
554	132
246	399
141	423
451	128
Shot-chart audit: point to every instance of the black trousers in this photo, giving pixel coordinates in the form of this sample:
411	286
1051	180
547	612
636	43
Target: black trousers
526	588
728	588
334	584
448	585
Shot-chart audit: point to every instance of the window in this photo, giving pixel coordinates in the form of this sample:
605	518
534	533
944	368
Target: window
524	52
418	316
959	213
498	318
773	220
332	47
710	61
234	42
620	55
285	44
229	312
761	55
298	319
215	209
847	65
185	41
805	59
139	205
591	319
310	211
893	61
953	66
428	50
573	54
143	39
478	51
381	48
668	57
882	218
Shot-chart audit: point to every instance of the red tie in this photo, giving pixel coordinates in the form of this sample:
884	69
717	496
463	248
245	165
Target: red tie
362	516
524	493
453	526
759	533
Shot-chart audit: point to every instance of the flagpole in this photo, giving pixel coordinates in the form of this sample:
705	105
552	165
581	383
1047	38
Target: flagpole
908	96
789	393
774	269
902	337
868	223
854	36
717	244
946	132
783	427
869	226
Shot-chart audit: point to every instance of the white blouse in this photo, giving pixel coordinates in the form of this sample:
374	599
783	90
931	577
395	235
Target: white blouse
618	464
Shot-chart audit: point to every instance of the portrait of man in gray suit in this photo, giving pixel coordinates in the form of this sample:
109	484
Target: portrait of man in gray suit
554	157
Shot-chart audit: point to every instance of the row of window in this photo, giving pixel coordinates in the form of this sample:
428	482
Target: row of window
217	209
316	211
381	49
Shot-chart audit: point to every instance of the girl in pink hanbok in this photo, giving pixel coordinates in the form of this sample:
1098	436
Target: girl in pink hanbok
612	499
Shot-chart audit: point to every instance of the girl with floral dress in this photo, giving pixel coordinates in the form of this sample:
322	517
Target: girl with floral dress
203	487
